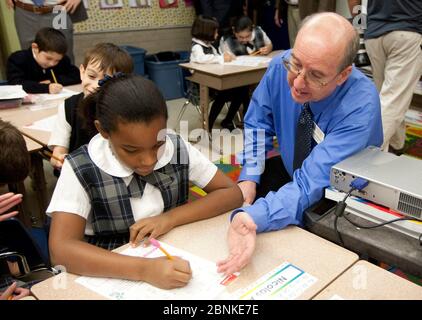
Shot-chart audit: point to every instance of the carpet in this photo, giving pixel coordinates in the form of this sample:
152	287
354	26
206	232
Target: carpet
413	144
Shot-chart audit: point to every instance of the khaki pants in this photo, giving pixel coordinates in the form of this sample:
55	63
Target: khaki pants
396	60
293	22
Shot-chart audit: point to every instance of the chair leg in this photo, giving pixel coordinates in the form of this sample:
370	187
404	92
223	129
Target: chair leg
233	122
182	111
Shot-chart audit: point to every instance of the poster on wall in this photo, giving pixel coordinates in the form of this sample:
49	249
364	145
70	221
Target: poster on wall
139	3
111	4
168	3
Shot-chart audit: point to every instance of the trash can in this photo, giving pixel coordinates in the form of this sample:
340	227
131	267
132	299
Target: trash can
163	68
138	56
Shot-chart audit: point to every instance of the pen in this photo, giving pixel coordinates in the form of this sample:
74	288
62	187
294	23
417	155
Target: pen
53	75
156	244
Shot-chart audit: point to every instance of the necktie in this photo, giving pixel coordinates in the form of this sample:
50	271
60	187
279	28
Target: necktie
303	141
38	3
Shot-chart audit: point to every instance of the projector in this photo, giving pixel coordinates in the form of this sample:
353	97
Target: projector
394	181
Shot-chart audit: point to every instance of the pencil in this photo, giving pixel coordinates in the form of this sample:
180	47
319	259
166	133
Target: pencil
10	297
156	244
49	154
53	75
255	52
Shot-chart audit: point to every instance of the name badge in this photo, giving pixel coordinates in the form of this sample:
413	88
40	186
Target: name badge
317	134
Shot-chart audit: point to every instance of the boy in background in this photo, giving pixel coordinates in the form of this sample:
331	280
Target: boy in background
44	67
69	133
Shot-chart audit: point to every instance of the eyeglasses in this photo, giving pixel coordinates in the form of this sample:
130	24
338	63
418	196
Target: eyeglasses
312	79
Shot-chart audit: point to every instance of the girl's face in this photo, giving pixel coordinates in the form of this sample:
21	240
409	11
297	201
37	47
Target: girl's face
244	36
137	144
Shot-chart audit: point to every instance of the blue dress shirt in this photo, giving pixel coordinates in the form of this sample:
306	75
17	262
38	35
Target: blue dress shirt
350	118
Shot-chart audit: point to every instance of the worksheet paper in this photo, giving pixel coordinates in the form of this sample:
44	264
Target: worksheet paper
46	124
46	100
205	282
249	61
12	92
285	282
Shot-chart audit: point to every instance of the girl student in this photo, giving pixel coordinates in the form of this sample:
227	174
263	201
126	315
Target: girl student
68	134
204	34
131	182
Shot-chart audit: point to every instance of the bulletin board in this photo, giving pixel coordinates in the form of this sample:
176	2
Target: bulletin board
121	15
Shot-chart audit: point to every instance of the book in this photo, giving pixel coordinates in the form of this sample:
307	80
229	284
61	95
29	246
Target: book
376	213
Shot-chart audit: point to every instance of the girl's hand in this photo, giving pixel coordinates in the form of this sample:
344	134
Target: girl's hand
265	50
152	227
228	57
13	293
7	201
168	274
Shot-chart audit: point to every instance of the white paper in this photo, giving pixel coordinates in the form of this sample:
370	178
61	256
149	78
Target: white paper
46	124
205	282
12	92
47	100
285	282
65	93
249	61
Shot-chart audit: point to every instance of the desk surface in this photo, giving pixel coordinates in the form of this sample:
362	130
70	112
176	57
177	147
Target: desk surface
221	70
24	116
316	256
366	281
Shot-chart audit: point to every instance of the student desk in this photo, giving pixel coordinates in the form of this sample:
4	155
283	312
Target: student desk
365	281
382	244
222	77
21	117
207	238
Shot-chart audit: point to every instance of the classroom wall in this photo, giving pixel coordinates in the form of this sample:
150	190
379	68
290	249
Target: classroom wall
8	37
151	28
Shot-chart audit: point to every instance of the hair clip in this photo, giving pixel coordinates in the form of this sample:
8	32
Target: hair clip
108	77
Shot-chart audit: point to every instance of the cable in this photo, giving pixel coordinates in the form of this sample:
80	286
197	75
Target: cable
359	184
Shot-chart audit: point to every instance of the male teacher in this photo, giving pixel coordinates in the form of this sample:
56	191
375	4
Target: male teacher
322	110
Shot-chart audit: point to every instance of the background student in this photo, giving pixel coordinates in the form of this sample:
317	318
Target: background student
204	33
245	40
131	182
44	67
14	167
69	133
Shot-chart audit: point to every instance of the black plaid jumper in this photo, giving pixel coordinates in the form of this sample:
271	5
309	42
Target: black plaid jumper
110	197
240	49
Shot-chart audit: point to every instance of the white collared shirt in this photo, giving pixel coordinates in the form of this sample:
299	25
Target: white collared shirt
69	195
60	136
197	55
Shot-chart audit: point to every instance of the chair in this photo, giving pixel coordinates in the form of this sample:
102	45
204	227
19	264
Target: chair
20	256
192	97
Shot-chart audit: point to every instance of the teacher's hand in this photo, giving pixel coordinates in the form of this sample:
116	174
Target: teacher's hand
241	239
248	190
